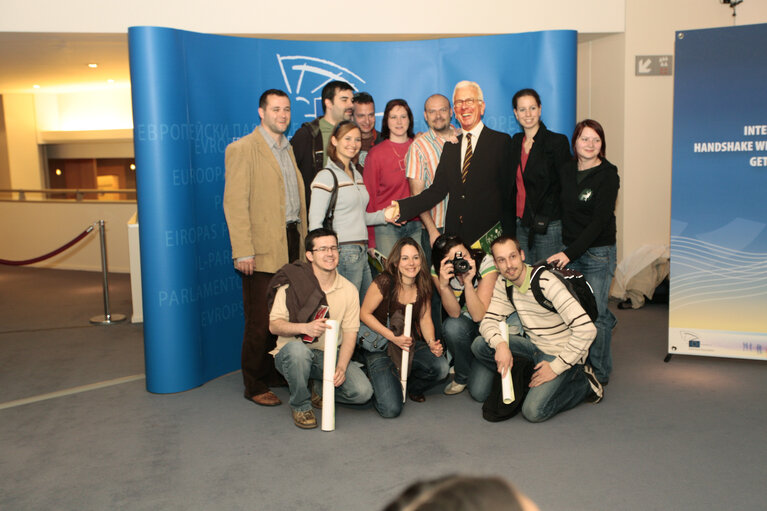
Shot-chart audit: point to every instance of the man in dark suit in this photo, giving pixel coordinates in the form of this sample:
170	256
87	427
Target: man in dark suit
476	173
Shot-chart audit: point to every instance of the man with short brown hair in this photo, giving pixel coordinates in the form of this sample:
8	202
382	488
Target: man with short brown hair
305	296
266	215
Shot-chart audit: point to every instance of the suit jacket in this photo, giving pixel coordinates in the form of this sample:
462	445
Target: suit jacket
254	202
486	198
541	176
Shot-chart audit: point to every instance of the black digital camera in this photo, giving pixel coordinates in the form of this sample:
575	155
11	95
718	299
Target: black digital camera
460	265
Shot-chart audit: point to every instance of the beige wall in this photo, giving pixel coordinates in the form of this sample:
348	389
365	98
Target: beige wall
5	171
40	227
24	163
650	30
601	92
309	17
637	111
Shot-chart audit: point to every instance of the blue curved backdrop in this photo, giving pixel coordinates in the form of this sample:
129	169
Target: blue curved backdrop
195	93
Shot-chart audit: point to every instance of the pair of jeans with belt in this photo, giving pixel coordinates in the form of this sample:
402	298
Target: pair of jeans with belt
387	235
544	245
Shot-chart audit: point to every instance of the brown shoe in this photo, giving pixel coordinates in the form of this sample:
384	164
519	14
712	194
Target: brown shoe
418	398
268	398
305	420
316	399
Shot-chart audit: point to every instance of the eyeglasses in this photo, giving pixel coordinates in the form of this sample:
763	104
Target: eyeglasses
465	102
322	250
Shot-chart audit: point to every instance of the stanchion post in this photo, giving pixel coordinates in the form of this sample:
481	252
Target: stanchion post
108	318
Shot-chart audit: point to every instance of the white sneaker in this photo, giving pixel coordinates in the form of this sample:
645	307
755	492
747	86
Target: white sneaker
453	388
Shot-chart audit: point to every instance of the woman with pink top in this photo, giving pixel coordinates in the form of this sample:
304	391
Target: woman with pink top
384	175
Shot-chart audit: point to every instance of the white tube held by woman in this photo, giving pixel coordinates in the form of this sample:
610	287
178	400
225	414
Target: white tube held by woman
328	372
506	388
406	354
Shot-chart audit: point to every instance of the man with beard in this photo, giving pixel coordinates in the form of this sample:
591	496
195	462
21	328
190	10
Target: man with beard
310	142
422	160
557	342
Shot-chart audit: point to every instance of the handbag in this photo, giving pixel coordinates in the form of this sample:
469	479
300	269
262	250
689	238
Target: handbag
372	341
327	223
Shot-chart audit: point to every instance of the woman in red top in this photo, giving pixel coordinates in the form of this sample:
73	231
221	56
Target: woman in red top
385	175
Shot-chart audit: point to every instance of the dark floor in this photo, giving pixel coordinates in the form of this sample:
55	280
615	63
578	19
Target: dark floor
687	435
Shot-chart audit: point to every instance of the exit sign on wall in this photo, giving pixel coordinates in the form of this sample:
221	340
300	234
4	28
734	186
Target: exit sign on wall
653	65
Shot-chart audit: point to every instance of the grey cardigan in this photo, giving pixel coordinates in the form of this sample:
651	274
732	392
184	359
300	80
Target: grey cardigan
351	219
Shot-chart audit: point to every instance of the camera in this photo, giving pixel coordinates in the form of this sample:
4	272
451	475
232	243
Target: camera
460	265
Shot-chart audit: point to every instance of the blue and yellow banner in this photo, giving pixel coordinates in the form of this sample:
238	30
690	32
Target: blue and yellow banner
718	214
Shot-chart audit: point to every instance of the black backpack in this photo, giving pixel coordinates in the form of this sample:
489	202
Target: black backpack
573	280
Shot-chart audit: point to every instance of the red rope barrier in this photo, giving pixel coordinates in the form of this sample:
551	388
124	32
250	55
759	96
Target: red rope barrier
49	254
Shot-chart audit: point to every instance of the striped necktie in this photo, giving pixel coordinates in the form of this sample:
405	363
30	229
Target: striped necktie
466	158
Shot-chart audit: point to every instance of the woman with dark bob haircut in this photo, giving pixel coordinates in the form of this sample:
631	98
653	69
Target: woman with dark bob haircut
405	280
385	175
464	280
589	191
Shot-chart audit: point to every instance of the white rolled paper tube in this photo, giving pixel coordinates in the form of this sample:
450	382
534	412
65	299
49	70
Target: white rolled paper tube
406	354
328	372
506	387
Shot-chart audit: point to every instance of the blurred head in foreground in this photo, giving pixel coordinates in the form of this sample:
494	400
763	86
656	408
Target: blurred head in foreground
462	493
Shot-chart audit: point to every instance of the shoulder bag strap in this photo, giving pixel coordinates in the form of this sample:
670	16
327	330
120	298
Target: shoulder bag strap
327	223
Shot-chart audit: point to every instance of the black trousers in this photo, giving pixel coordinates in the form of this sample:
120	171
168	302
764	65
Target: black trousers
258	371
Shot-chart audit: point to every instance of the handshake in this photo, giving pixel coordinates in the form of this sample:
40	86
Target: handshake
391	212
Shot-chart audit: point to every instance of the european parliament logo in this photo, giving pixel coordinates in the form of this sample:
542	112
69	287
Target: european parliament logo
692	340
306	76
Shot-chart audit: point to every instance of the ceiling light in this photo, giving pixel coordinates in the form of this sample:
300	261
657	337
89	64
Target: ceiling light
35	86
93	65
58	172
133	166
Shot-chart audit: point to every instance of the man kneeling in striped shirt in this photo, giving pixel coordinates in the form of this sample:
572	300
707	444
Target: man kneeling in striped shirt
557	342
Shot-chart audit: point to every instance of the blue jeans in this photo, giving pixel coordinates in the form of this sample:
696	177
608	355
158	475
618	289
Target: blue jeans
426	372
353	264
387	235
565	391
458	334
598	266
544	245
298	364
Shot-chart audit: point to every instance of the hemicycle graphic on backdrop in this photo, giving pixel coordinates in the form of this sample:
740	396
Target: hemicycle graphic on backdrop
311	74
